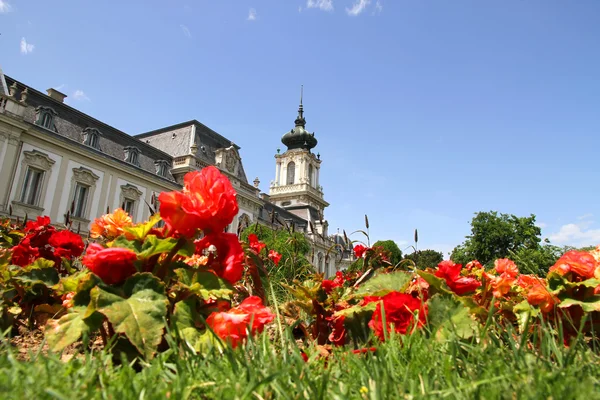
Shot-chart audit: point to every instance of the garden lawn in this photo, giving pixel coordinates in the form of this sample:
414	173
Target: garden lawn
412	366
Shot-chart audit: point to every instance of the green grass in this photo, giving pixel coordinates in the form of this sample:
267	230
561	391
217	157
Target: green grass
415	366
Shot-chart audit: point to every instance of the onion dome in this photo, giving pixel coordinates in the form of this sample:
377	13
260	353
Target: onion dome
299	137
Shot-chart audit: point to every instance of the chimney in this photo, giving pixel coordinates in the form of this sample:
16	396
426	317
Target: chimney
56	95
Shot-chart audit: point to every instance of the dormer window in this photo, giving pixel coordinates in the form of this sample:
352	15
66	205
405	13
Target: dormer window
91	137
162	167
45	117
132	155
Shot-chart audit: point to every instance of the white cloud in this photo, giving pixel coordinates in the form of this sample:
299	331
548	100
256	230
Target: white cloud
80	95
252	15
358	7
325	5
577	234
542	225
4	7
186	30
26	48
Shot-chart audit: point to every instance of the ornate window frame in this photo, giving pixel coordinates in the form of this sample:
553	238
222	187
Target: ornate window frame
290	167
84	177
39	161
130	193
91	137
44	117
162	167
132	155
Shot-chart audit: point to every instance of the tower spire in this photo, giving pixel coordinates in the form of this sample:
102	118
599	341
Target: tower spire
300	121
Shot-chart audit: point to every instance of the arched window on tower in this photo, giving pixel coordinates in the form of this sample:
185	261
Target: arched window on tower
291	173
310	175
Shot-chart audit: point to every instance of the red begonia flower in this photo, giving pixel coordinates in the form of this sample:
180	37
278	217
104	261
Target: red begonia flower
399	314
230	256
274	256
255	244
338	330
580	263
359	250
113	265
504	265
39	223
207	202
457	283
66	244
24	254
233	325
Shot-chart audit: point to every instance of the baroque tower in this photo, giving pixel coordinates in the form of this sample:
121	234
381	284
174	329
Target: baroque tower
296	186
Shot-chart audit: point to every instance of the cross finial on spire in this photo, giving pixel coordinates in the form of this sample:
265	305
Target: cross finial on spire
300	121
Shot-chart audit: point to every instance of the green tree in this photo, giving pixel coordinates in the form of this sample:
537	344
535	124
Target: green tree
496	235
425	258
392	248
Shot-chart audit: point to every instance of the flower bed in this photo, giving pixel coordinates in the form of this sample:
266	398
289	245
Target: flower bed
133	283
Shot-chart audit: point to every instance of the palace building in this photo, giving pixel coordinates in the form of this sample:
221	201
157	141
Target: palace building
58	161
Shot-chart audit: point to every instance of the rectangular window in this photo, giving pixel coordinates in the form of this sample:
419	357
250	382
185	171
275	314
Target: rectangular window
80	200
129	206
92	140
32	186
46	121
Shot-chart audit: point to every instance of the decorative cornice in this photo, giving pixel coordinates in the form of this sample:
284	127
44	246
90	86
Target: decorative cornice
38	159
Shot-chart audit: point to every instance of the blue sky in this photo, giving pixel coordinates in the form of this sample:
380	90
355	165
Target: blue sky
425	111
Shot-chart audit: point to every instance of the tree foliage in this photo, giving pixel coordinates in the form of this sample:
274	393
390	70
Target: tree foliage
425	258
496	236
392	248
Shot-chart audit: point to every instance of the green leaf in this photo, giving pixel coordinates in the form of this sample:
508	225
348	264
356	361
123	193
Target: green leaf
383	284
153	245
140	231
70	327
524	312
436	285
141	315
448	318
44	276
123	242
71	282
185	319
204	283
588	305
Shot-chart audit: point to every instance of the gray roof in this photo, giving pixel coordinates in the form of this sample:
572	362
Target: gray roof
177	140
70	123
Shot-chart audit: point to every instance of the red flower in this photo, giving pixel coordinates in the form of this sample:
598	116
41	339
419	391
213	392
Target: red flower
38	224
359	250
473	265
338	330
233	325
66	244
580	263
539	295
501	284
113	265
399	314
24	254
328	285
274	256
457	283
255	244
228	264
504	265
207	202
